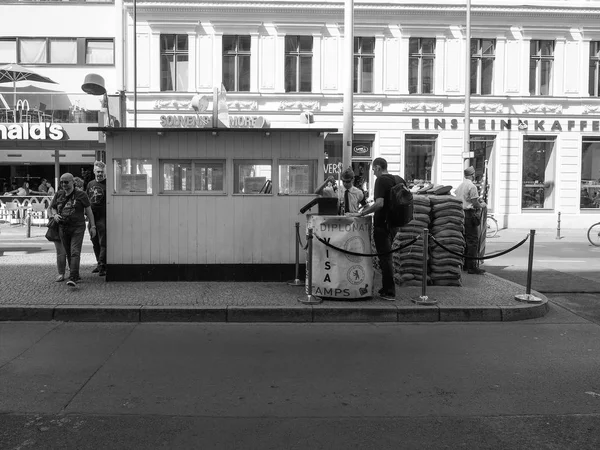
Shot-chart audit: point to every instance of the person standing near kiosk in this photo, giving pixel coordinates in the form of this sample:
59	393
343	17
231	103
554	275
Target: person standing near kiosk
96	191
382	233
350	196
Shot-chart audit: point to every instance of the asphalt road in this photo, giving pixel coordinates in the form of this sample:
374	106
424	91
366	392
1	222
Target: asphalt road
531	384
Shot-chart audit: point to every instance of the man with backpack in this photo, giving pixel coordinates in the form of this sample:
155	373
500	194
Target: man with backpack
383	231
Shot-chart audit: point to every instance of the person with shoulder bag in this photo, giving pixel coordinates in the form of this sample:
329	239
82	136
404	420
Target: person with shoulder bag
53	235
68	208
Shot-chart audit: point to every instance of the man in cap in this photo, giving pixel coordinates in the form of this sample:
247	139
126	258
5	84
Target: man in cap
350	196
467	193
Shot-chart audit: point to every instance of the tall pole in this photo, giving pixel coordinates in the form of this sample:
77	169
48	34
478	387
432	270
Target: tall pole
348	82
134	63
467	137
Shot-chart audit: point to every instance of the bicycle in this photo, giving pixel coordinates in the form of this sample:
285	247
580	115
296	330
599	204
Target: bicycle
593	234
491	225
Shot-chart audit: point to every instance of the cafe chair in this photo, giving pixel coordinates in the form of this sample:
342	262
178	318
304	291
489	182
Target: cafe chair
43	116
38	214
14	213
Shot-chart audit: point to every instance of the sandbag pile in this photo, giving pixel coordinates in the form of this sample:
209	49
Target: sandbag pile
408	262
447	226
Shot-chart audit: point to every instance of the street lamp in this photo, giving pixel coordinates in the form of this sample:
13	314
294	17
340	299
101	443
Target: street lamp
94	85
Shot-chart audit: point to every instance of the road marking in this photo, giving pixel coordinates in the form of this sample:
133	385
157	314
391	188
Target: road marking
560	261
593	394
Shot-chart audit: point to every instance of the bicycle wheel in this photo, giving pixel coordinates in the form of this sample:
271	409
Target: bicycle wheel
491	227
593	234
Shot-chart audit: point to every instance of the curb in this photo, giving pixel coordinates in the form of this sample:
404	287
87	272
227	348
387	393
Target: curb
246	314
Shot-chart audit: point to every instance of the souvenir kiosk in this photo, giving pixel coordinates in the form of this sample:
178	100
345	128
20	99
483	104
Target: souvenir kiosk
208	203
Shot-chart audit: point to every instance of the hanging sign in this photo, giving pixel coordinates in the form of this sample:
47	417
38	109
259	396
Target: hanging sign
361	150
336	274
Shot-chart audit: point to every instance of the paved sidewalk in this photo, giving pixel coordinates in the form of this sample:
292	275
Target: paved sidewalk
28	292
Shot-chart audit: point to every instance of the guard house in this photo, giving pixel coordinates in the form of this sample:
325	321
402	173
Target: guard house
208	203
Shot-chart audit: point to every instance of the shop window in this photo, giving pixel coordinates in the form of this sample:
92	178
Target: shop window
33	51
482	147
540	67
590	173
594	80
236	63
538	172
63	51
133	176
482	65
252	177
99	51
298	63
8	51
192	176
419	158
296	177
364	56
174	62
420	65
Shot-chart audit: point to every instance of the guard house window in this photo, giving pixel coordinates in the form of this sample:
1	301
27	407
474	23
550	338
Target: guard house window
482	65
252	177
590	173
133	176
364	55
192	176
538	172
236	63
540	67
298	63
296	177
420	65
594	81
99	51
174	62
419	158
8	51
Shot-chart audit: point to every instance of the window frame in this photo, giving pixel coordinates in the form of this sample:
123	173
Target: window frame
359	58
478	57
420	56
87	40
312	175
538	59
237	53
175	53
16	55
193	162
298	54
116	175
589	140
256	162
410	137
594	89
533	185
81	46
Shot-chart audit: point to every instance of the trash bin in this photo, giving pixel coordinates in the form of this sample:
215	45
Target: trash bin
336	274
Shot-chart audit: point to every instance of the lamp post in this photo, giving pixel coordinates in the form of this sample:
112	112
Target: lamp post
467	136
93	84
348	84
135	63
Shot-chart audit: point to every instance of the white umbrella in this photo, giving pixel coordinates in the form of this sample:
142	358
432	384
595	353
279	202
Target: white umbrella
14	72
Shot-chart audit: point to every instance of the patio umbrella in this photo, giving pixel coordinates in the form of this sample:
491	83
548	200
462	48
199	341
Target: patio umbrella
14	72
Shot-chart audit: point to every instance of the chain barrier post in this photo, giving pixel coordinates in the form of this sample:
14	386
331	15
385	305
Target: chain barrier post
528	297
309	299
423	298
28	222
558	227
297	281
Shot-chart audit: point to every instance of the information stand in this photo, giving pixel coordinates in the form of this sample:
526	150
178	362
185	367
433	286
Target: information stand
336	274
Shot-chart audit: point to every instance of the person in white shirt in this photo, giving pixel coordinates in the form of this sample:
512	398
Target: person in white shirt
467	193
349	196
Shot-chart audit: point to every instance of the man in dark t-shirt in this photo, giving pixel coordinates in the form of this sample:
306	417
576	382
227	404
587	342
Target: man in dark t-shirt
96	192
382	233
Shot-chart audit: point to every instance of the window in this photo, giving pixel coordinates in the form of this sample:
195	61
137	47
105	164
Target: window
174	62
133	176
192	176
98	51
594	81
8	51
482	65
298	63
590	173
252	177
482	146
364	55
540	67
63	51
33	51
420	65
296	177
419	158
236	63
538	172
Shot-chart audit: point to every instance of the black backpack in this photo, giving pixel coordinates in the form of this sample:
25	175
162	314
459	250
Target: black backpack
400	204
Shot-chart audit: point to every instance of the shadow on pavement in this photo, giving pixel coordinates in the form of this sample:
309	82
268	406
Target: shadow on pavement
546	280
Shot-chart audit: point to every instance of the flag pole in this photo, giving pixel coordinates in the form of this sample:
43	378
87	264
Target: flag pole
467	136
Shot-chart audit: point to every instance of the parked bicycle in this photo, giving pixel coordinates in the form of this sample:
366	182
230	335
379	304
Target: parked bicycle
491	226
593	234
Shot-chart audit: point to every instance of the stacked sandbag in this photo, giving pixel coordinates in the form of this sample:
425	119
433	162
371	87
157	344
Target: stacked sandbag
447	226
408	262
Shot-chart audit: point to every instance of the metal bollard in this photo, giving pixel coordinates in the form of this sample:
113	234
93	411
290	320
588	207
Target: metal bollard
297	281
558	227
309	299
423	298
28	222
528	297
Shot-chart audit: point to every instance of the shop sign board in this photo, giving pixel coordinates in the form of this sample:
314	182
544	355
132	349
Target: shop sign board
361	150
508	124
204	121
34	131
336	274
